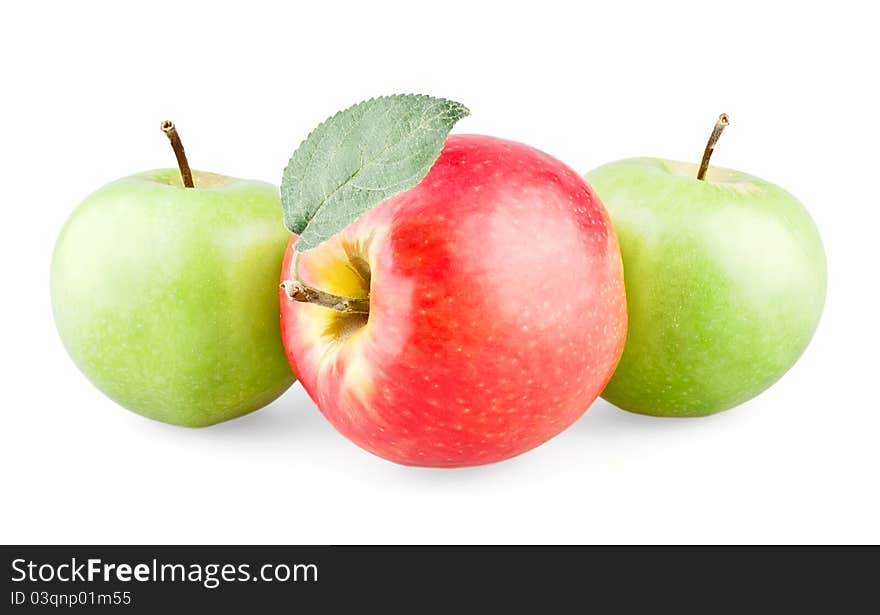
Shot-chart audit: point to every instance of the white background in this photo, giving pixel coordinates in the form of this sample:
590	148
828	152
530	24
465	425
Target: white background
85	86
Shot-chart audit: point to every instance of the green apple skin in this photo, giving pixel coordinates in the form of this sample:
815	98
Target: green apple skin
167	297
725	282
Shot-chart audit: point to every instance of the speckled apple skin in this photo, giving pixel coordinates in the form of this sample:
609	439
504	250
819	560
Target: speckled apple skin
725	283
164	296
497	310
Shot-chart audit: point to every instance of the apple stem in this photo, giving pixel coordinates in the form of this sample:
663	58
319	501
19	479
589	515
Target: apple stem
298	291
720	125
171	132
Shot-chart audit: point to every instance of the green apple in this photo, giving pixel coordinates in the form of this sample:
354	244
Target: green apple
725	281
166	296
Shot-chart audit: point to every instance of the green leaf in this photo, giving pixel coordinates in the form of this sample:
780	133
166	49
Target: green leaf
360	157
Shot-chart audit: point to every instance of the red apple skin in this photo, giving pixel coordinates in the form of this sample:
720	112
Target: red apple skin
497	310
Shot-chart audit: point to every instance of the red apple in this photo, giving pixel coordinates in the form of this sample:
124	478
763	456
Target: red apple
496	310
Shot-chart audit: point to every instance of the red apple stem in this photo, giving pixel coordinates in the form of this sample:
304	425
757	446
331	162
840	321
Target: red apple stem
298	291
171	132
720	125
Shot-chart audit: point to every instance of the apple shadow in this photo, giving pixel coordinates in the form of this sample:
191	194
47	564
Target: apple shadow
605	421
602	426
293	419
290	417
443	479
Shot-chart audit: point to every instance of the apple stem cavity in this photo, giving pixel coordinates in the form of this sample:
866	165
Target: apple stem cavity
298	291
170	131
720	125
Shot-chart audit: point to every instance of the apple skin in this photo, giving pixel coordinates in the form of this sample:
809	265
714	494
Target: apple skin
165	297
725	283
497	310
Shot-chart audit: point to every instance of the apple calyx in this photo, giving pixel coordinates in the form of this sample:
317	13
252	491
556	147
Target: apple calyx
720	125
298	291
170	131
